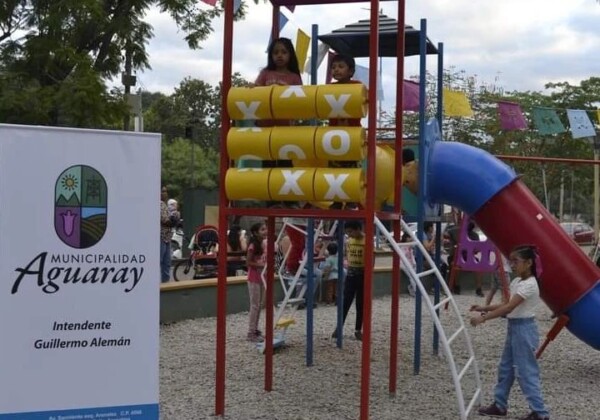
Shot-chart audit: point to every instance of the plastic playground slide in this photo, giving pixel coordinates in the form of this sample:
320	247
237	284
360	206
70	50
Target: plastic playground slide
510	215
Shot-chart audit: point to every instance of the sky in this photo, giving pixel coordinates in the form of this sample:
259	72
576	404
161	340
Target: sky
514	44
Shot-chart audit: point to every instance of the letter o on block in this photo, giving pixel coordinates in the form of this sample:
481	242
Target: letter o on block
247	184
245	142
340	143
291	184
342	101
293	143
339	184
293	102
249	103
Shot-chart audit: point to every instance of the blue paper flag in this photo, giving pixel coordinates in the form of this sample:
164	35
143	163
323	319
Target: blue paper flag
282	21
580	123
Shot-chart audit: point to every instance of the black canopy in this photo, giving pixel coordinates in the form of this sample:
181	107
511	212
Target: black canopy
353	39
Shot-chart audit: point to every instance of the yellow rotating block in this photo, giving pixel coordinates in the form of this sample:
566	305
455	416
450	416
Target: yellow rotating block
292	143
249	103
339	184
343	100
384	173
250	143
340	143
292	184
247	184
293	102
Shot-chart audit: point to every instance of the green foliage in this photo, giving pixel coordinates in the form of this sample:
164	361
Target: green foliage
187	165
190	121
56	56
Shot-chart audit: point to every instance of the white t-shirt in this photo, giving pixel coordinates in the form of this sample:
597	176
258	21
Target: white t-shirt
528	289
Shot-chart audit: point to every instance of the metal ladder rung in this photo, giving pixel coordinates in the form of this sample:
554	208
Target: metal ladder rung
416	279
442	303
473	401
467	366
427	272
451	339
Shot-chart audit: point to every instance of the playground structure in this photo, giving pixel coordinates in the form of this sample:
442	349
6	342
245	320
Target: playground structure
489	191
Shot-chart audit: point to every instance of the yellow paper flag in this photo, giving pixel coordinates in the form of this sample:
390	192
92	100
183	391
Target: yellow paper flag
456	104
302	43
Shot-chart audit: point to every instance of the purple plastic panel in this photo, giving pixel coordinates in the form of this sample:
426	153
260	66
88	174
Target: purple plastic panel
471	255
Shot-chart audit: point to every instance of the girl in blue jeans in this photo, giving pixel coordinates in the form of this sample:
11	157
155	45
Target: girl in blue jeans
518	357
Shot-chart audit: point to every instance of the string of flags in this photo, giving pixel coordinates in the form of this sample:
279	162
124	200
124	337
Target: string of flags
456	103
511	116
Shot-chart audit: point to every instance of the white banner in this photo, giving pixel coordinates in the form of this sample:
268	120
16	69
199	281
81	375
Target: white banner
79	263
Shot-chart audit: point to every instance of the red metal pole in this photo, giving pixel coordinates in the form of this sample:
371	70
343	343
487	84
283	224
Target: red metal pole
269	304
369	213
396	273
548	159
221	349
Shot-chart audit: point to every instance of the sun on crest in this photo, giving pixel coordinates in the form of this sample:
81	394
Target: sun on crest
69	182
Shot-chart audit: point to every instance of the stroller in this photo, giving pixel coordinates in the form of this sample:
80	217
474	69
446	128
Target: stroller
202	262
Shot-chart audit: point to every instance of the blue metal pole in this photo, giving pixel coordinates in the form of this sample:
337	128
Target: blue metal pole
438	234
314	47
420	201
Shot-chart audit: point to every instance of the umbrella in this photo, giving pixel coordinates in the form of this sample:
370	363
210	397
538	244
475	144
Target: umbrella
353	39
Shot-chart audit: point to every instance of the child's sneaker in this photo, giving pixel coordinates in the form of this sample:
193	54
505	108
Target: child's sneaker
492	411
358	335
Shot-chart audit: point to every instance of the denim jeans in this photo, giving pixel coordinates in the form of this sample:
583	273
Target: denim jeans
518	362
165	261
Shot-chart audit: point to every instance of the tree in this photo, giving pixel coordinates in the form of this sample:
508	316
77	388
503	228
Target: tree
185	165
189	120
55	56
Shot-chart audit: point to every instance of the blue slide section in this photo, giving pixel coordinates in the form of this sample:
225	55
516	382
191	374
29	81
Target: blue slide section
583	317
452	167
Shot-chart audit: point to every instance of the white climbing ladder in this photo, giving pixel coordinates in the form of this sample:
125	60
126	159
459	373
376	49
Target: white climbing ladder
470	368
286	309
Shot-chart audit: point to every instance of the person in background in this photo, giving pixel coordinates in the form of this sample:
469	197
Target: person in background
451	236
354	282
255	261
409	253
518	359
236	245
174	214
500	280
429	245
330	272
165	237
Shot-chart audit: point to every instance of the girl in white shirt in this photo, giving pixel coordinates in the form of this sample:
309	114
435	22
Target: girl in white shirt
518	359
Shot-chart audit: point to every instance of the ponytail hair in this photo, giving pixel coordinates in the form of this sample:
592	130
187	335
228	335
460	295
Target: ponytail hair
530	252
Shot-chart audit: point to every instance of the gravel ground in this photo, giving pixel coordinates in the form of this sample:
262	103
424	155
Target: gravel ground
330	389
